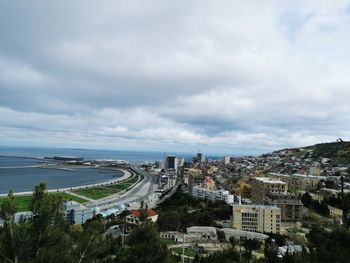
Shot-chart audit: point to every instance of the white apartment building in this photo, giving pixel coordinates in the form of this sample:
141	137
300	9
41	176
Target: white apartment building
226	159
257	218
213	195
76	213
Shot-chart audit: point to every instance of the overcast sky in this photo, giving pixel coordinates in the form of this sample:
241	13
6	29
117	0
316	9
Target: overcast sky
216	76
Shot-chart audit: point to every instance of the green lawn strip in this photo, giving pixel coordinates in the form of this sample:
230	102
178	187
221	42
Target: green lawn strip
23	202
69	197
106	190
95	192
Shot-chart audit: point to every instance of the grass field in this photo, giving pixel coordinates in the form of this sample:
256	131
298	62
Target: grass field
106	190
24	201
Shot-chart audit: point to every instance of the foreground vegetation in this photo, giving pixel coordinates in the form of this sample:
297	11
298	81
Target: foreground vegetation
107	190
47	238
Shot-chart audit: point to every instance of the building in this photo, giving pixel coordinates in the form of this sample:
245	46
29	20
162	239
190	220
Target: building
134	217
203	232
299	182
261	186
257	218
76	213
170	162
208	182
213	195
238	234
195	234
226	159
200	157
335	212
315	171
292	208
290	250
21	217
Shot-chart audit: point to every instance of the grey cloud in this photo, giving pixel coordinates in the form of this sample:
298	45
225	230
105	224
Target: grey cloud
174	75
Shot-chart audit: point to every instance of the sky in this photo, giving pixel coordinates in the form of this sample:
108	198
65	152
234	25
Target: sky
238	77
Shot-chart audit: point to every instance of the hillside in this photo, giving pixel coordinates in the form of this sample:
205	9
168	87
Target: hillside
337	152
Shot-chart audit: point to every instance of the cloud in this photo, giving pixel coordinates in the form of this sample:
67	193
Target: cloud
226	77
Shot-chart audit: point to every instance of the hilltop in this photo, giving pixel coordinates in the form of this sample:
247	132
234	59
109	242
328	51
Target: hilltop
337	152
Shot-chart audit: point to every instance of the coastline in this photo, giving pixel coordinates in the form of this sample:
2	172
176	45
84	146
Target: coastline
126	175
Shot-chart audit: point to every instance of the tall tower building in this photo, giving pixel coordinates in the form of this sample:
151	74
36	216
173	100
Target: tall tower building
171	162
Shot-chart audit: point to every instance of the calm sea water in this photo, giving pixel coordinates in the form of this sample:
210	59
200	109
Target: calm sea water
130	156
17	176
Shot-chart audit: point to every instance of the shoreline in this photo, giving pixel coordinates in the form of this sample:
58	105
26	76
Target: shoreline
126	175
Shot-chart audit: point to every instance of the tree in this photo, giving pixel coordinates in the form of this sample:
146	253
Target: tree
306	199
7	211
249	246
146	246
47	226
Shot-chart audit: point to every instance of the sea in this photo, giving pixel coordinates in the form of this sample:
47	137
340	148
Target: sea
19	174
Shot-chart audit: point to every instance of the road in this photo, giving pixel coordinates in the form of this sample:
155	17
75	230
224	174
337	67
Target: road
142	191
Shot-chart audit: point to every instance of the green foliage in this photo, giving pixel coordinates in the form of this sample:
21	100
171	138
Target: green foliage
145	246
182	211
319	207
338	152
330	246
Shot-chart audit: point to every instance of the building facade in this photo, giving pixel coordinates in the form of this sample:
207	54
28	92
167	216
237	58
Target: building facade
76	213
213	195
171	162
261	186
257	218
299	182
292	208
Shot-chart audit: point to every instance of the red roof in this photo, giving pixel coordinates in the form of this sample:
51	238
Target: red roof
150	213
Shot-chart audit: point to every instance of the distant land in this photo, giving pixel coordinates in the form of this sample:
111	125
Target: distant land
338	152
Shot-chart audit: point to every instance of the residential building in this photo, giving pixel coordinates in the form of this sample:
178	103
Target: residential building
291	206
315	171
299	182
203	232
208	182
21	217
171	162
229	232
263	185
134	217
335	212
257	218
213	195
76	213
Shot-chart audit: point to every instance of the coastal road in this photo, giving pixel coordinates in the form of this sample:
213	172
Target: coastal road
142	191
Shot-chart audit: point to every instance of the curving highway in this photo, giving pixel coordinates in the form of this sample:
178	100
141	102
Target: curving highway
142	191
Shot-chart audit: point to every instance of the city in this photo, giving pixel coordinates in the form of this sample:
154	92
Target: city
174	131
261	207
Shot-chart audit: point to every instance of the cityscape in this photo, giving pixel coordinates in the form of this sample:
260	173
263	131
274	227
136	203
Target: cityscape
173	132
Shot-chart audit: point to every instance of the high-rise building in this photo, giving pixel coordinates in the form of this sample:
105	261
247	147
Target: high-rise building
257	218
171	162
226	159
200	157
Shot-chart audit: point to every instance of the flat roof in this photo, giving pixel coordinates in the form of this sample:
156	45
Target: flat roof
269	180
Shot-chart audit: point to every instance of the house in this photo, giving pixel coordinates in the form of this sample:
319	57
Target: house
134	217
